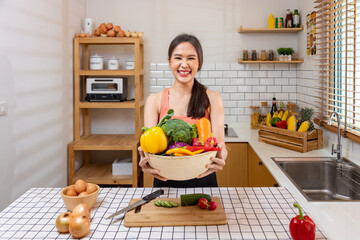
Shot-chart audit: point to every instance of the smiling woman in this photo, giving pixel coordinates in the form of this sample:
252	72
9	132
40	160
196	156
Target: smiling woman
191	101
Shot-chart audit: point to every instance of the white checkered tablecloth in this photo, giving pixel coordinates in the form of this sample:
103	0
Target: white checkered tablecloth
252	213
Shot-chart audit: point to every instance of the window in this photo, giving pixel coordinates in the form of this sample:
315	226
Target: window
338	24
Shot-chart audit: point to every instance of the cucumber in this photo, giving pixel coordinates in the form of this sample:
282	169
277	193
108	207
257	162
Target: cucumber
157	203
193	199
168	205
173	204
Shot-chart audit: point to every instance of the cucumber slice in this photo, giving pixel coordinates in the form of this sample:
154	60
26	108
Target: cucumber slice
193	199
162	203
157	203
168	205
173	204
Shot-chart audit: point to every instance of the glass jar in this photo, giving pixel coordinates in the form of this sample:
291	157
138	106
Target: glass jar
271	55
254	117
245	55
253	55
263	113
291	108
263	55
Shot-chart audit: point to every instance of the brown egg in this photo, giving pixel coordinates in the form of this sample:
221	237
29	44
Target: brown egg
91	188
80	186
71	192
82	194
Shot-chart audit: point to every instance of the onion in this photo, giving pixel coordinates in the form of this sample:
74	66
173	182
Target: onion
121	33
63	221
111	33
79	227
109	26
117	28
81	210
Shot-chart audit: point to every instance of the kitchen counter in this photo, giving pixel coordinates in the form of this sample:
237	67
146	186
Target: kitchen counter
252	213
339	220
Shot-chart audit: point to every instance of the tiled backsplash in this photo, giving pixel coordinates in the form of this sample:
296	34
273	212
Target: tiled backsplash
240	85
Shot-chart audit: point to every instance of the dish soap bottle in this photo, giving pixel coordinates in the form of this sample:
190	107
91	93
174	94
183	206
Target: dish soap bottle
271	21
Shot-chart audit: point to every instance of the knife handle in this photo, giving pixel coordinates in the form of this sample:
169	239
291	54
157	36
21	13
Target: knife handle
153	195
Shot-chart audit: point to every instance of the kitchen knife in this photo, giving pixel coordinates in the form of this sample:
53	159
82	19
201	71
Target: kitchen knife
144	200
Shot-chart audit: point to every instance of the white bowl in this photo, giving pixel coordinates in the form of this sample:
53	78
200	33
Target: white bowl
181	167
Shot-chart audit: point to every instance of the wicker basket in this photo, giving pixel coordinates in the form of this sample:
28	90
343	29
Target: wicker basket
181	167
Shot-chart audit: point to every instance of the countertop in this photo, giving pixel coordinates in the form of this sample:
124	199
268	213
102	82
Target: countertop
338	220
252	213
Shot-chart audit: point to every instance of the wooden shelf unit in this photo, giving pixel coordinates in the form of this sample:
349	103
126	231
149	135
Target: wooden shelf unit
83	139
298	60
270	30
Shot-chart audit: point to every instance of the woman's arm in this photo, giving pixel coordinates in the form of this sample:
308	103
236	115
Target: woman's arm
151	115
217	117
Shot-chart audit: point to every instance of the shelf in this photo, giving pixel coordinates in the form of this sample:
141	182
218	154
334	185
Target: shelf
101	174
125	104
299	60
270	30
106	142
109	40
108	72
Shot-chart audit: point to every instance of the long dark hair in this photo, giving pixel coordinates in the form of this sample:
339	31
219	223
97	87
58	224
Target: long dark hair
199	100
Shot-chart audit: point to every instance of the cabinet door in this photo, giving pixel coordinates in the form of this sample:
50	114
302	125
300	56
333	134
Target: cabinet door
259	176
148	180
234	173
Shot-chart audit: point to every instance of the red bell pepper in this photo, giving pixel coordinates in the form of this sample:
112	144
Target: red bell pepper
281	124
302	227
206	149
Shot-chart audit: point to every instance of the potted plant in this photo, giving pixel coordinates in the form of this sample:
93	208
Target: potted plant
285	54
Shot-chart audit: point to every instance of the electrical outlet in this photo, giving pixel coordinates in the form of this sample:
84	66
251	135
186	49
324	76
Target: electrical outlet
3	108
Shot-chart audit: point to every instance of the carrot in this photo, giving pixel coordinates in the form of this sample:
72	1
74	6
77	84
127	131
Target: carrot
204	128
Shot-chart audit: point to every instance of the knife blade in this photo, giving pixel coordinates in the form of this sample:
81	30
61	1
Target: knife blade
142	201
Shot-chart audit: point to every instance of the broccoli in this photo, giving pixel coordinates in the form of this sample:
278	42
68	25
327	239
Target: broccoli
177	130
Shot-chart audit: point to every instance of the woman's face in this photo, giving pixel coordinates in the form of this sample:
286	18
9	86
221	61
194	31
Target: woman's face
184	62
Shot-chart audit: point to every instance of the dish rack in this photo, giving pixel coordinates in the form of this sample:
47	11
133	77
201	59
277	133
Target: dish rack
348	176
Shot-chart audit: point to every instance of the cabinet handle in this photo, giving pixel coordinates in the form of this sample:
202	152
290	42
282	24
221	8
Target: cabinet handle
276	185
260	163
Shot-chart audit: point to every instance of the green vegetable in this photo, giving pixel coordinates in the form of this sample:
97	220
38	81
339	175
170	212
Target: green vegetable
274	120
167	204
193	199
177	130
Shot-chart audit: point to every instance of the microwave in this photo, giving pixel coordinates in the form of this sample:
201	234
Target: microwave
106	89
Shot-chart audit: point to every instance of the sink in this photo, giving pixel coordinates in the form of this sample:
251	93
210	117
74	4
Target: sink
323	179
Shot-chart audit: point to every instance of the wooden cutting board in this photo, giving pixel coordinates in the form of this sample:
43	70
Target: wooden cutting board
150	215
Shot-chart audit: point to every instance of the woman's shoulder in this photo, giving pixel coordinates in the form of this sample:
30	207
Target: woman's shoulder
213	95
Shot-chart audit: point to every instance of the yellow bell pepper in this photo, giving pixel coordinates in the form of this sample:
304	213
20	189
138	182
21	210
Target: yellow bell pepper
182	151
153	140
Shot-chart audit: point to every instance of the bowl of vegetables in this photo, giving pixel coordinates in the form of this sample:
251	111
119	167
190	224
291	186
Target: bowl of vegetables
177	149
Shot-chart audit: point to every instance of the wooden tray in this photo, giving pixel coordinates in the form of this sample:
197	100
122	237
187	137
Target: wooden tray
297	141
153	216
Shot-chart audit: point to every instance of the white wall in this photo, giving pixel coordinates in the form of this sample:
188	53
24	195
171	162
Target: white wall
36	82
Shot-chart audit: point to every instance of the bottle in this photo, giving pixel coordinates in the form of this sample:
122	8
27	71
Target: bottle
263	113
296	19
263	55
245	55
271	55
273	107
253	55
281	107
254	117
288	19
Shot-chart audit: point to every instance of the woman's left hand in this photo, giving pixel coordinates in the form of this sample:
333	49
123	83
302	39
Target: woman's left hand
218	161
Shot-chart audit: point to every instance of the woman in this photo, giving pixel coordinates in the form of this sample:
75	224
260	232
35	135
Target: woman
190	101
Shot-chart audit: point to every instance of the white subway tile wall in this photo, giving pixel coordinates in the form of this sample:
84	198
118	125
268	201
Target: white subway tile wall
240	85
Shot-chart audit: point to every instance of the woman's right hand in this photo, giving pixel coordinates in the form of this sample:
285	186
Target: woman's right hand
144	164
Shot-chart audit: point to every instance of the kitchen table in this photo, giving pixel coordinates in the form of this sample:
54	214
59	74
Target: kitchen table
252	213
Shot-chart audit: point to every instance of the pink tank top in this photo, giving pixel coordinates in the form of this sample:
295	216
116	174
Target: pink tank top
165	107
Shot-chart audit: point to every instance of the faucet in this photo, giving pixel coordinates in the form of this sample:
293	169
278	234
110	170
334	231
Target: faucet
337	150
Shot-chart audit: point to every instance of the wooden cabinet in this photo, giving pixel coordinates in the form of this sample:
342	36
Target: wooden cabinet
259	176
84	140
235	173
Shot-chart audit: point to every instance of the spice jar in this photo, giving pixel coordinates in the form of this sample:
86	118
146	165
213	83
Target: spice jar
253	55
263	55
245	55
263	113
271	55
254	117
96	62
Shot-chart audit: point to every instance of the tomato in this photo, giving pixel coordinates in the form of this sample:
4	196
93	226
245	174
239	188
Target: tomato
212	205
